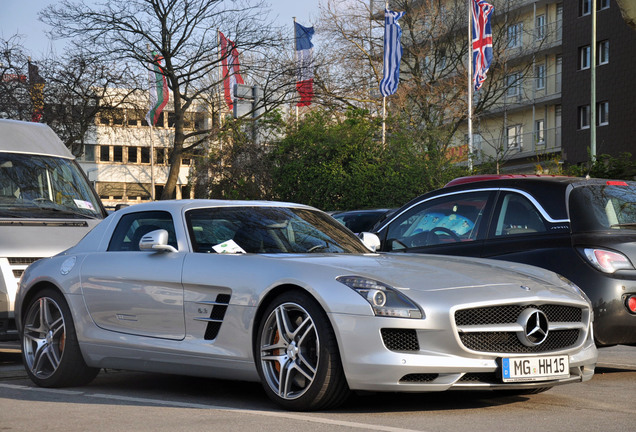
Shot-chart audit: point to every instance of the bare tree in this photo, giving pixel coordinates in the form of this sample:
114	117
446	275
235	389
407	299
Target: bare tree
15	101
183	32
79	86
431	100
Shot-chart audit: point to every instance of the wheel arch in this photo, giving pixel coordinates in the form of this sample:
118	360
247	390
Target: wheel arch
33	292
269	297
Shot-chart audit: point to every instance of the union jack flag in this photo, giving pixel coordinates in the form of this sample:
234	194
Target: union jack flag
482	40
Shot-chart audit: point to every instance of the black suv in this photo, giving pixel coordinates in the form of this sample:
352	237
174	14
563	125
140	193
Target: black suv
584	229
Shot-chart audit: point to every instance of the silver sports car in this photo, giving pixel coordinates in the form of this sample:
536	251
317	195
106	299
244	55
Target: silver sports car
284	294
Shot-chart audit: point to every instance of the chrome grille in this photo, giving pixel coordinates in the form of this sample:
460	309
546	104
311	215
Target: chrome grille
509	342
509	313
496	329
400	339
19	264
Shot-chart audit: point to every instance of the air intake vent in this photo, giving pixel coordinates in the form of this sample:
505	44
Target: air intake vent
400	339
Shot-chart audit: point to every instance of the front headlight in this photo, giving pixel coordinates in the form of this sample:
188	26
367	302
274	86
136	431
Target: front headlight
384	299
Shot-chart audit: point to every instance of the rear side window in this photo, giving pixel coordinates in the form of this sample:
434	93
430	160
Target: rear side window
600	207
133	226
518	216
447	219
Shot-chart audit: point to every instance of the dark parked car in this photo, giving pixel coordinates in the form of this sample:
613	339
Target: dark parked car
361	220
584	229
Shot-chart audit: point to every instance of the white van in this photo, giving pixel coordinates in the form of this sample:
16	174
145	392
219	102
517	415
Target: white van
46	205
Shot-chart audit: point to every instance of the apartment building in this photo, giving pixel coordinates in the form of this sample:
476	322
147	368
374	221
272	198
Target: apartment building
543	118
615	83
523	128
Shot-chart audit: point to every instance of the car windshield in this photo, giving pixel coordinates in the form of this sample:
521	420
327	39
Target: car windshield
270	230
603	207
33	186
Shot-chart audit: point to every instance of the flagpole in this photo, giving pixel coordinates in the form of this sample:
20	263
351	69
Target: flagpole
470	88
152	151
386	7
296	62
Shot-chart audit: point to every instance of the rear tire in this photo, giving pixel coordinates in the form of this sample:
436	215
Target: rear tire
297	355
50	350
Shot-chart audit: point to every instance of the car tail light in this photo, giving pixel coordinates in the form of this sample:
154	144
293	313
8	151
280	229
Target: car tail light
631	303
616	183
607	261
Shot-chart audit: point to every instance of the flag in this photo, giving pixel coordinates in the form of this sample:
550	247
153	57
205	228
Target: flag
392	52
158	89
304	64
36	91
482	40
230	62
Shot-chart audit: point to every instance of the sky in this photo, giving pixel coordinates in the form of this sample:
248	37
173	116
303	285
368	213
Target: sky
21	16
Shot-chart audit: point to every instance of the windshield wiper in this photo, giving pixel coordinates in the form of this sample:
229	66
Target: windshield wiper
47	205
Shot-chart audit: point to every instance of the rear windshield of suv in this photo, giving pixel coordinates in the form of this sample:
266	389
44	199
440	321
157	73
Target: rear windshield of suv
603	207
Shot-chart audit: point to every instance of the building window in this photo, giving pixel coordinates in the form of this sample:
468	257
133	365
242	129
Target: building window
160	156
540	27
585	7
118	154
145	155
540	76
603	113
515	137
514	35
89	153
584	117
172	119
539	132
513	84
584	57
134	117
603	52
603	4
118	117
104	153
132	154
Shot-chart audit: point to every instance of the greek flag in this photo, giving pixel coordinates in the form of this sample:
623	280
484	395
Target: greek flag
392	52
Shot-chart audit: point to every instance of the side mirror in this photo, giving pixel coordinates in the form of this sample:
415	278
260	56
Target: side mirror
156	240
370	240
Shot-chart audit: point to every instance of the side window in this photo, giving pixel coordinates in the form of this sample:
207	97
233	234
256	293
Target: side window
448	219
133	226
517	215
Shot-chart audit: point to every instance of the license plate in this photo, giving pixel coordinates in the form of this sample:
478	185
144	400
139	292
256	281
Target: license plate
535	368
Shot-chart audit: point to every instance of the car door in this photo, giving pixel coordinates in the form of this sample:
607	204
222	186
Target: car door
453	224
136	292
521	231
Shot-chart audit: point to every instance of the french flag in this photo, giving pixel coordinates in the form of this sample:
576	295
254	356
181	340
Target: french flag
304	61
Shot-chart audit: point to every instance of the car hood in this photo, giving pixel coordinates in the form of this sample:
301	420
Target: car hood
436	273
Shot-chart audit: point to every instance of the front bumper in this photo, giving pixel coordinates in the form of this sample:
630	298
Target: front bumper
441	362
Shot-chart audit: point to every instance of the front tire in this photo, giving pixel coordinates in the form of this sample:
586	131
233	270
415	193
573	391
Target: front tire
297	355
50	350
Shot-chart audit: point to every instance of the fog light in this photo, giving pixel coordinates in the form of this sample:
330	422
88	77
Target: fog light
631	303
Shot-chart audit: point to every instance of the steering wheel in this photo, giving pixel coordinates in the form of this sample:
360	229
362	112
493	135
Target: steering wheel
446	231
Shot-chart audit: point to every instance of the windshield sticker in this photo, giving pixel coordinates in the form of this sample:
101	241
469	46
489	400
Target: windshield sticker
228	247
84	204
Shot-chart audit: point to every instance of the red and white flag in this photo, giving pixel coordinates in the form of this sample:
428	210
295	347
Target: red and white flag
230	62
305	67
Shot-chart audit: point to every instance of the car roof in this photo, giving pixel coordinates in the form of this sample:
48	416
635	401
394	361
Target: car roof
183	205
31	138
548	191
